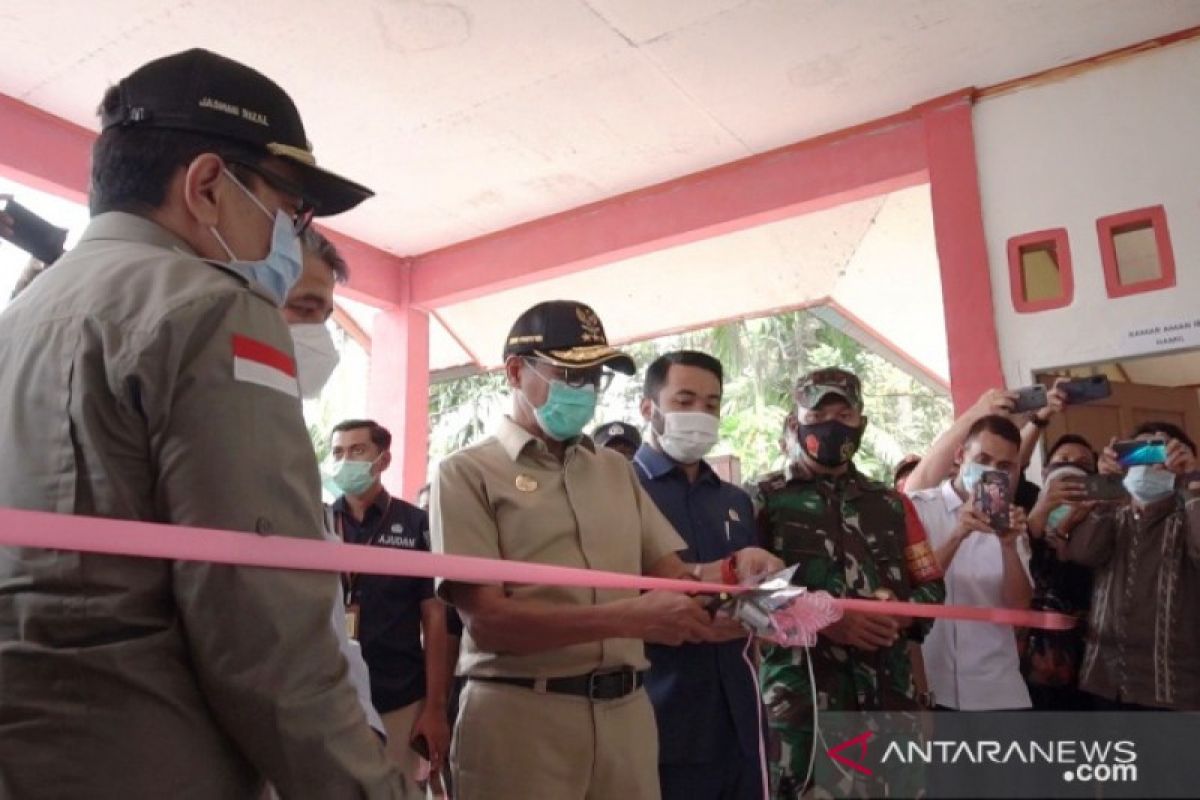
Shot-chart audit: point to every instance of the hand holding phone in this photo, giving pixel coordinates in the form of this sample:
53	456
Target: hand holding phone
1031	398
1018	526
993	401
1139	452
1085	390
1062	486
1104	488
30	232
1180	458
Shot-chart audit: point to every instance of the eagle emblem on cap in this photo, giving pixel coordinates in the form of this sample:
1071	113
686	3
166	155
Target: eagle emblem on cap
592	331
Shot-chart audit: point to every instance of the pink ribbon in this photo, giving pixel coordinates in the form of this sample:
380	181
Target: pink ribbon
1016	617
155	540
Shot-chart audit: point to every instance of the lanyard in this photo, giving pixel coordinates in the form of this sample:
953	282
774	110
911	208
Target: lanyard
350	579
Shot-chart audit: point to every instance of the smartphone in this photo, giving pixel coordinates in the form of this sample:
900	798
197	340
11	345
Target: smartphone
1084	390
33	234
1136	453
1104	488
1030	398
992	499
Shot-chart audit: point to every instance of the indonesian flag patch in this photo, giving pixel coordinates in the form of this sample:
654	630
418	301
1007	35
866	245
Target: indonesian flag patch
258	362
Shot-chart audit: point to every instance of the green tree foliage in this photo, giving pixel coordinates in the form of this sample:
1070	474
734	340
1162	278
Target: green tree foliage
320	441
463	411
762	359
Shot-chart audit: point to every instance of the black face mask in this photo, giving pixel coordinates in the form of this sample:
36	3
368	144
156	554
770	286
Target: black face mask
830	444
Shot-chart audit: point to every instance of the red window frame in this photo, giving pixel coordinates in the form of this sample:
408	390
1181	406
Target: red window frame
1156	216
1056	238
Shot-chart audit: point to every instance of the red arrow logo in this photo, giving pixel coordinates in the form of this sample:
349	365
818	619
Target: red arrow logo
860	742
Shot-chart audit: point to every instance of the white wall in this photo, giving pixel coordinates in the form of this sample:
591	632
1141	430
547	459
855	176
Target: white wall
892	281
1063	154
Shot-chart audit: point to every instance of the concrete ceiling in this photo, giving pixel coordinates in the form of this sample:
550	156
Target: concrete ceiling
469	117
844	254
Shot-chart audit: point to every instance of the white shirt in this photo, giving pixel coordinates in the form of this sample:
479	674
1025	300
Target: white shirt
971	666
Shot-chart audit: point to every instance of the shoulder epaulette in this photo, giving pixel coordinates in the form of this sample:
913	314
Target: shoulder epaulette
771	482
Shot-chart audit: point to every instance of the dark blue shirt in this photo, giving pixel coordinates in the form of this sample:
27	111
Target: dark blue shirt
702	693
389	626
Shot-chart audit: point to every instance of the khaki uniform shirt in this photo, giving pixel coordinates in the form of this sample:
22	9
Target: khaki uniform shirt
509	497
130	677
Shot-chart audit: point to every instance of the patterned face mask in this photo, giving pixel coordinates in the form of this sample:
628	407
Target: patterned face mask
831	443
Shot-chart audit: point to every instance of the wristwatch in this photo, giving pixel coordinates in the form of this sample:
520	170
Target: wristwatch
1037	421
926	700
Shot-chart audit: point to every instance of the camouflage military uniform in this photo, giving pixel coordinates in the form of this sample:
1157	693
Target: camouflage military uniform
852	537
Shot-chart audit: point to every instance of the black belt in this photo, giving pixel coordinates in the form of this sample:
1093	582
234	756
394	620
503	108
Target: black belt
607	685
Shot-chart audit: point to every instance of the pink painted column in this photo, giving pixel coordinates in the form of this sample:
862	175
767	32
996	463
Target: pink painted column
972	341
398	393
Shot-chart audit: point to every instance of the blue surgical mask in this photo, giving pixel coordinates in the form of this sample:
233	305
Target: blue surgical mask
971	473
348	477
1147	484
1057	517
279	271
1056	472
567	410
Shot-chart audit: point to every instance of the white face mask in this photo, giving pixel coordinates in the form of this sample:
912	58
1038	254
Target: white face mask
687	436
316	357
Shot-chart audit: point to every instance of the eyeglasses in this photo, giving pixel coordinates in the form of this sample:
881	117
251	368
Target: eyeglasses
596	377
302	217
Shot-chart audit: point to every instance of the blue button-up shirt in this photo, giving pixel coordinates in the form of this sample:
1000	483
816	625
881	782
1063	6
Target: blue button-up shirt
704	695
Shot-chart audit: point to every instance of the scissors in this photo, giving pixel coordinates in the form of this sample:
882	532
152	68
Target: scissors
756	608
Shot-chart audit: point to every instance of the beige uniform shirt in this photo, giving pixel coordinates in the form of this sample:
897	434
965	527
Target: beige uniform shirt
129	678
508	497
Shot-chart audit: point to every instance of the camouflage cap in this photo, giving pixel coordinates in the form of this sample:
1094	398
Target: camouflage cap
814	387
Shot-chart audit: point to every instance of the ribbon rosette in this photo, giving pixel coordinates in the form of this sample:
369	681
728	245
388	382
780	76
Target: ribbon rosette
798	622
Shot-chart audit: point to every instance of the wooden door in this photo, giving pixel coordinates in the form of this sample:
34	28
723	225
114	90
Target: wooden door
1130	405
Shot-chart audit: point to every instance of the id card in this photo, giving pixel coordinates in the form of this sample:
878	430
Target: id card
352	615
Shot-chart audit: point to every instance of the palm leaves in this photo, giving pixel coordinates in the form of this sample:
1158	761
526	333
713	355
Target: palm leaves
762	359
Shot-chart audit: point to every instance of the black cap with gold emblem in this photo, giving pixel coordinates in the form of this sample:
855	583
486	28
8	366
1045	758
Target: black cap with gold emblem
202	92
617	432
567	334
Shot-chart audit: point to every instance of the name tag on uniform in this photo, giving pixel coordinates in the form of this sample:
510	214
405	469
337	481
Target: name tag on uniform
352	614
